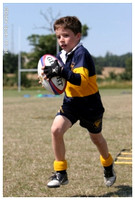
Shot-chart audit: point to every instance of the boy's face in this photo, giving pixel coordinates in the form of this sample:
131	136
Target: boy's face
67	39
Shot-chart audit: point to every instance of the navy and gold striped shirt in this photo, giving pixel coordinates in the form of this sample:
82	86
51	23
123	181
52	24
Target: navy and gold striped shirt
79	71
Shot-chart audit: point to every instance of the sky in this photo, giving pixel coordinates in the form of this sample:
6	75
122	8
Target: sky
110	25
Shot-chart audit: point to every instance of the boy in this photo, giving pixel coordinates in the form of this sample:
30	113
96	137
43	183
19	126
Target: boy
81	101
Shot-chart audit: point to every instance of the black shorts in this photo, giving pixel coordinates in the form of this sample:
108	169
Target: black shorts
91	120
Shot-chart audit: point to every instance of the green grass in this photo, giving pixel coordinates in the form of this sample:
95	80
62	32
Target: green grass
28	157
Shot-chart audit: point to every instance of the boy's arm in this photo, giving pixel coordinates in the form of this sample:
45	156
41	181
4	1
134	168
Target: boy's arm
78	75
56	70
74	78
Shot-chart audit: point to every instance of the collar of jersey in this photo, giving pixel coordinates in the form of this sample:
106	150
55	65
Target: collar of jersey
64	54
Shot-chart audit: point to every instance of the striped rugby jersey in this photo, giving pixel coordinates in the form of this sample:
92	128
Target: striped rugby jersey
79	71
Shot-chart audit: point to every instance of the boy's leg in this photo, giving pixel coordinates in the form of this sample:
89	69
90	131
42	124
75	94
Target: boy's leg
60	125
105	158
101	144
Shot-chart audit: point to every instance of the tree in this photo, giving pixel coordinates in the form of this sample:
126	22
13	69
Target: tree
129	65
129	68
85	29
127	75
10	63
49	18
42	44
98	69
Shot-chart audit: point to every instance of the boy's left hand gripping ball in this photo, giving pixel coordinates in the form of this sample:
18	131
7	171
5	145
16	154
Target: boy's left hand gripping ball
52	70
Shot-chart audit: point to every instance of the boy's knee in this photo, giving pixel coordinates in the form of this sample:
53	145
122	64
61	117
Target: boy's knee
56	131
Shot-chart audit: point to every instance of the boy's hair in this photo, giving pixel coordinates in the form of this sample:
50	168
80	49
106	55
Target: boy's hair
69	22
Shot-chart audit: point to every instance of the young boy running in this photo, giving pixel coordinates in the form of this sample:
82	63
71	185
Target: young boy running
81	101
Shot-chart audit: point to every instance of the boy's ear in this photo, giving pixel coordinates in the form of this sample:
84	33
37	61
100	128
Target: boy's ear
78	35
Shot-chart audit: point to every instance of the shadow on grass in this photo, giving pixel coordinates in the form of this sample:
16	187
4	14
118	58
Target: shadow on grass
122	191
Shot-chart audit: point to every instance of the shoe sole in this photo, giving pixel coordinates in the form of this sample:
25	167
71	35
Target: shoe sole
56	186
111	184
65	183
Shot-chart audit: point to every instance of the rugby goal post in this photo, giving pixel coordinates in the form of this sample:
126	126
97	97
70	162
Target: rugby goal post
19	75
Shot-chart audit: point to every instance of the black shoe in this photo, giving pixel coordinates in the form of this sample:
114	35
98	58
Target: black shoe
58	179
109	176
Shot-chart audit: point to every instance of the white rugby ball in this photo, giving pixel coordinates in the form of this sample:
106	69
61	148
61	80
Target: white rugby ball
55	85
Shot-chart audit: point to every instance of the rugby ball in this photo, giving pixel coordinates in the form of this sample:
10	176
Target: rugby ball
55	85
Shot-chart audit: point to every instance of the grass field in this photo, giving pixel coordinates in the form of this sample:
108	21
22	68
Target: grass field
28	158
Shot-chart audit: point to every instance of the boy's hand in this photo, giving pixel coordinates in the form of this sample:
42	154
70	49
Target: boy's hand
53	70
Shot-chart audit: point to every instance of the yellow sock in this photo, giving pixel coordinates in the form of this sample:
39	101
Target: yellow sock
106	162
60	165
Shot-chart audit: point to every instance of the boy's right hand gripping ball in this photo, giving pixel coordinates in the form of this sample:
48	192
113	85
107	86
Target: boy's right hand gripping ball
56	84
